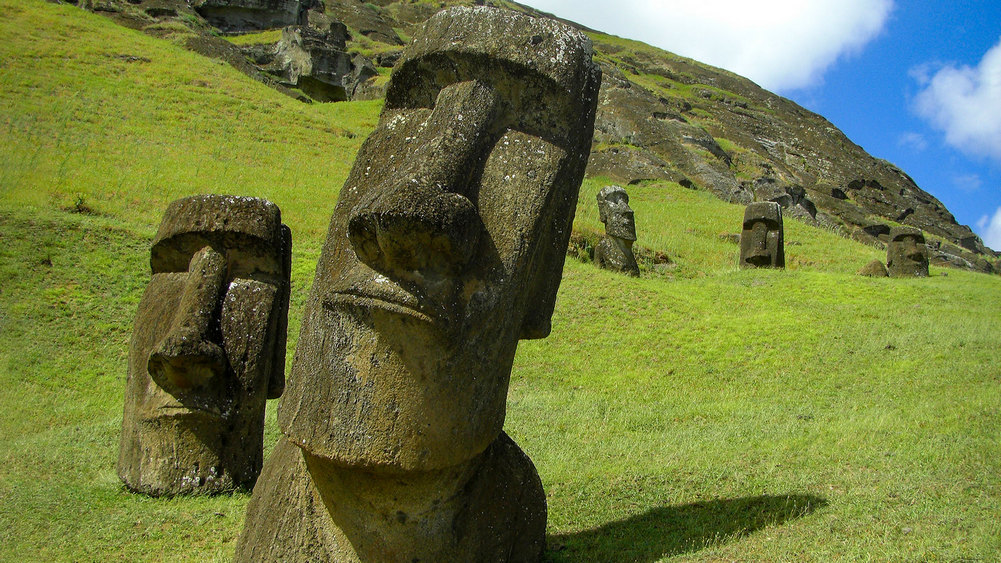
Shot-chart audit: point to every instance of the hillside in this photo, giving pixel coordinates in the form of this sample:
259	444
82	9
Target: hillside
696	413
661	117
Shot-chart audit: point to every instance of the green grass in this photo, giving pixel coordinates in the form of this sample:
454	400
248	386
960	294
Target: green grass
130	123
703	413
258	38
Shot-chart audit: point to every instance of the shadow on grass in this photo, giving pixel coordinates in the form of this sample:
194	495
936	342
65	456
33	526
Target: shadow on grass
673	530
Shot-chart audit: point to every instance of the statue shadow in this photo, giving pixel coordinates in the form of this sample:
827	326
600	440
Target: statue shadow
674	530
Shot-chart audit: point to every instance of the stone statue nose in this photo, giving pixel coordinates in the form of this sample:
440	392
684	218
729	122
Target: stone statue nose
760	238
424	224
186	357
425	230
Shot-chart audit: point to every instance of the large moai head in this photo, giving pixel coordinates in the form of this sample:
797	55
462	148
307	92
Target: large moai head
208	347
906	253
446	245
615	213
761	244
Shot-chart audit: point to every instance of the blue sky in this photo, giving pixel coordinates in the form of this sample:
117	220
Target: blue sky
916	82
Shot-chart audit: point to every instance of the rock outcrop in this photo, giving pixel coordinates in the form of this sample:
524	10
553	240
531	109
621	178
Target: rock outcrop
252	15
313	59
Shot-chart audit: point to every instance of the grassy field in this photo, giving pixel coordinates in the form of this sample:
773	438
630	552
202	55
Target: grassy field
697	413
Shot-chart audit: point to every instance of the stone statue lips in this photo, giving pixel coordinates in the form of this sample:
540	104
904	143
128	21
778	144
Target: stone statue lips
358	287
177	410
382	293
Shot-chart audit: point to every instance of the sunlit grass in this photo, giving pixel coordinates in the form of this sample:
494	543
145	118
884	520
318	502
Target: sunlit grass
129	123
695	413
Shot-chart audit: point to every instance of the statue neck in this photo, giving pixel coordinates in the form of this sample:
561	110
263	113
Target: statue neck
393	517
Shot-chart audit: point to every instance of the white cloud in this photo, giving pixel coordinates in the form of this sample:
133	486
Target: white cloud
969	183
780	44
913	141
989	229
965	103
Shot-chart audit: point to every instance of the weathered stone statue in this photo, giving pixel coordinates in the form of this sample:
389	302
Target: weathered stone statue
615	251
906	253
761	243
208	347
446	247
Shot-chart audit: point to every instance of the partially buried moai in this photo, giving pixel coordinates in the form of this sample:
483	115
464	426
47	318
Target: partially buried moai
445	248
761	244
906	253
208	347
615	250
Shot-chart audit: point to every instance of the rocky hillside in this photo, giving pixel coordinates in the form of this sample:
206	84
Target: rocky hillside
660	116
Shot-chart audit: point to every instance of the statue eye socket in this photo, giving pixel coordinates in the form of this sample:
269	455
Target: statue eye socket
170	258
254	264
248	262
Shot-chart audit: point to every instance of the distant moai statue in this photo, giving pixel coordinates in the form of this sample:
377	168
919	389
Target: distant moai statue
208	347
445	248
906	253
615	250
761	240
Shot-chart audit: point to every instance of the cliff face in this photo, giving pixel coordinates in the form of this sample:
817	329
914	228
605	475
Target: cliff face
664	117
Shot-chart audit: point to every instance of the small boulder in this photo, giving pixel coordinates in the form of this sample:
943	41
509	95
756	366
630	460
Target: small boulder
874	269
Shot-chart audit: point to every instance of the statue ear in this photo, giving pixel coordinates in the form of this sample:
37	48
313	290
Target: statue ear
276	380
548	260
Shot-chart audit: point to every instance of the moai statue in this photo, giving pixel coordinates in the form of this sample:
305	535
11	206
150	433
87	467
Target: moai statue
208	347
445	248
615	251
761	243
906	253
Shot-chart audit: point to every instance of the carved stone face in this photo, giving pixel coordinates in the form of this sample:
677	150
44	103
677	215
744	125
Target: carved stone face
615	213
208	347
761	244
906	253
446	245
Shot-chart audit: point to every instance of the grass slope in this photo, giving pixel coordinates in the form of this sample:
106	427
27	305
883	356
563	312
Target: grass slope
696	413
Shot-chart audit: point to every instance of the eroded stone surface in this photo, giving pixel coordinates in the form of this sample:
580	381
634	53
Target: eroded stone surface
313	59
906	253
445	248
761	240
252	15
208	347
615	250
874	269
